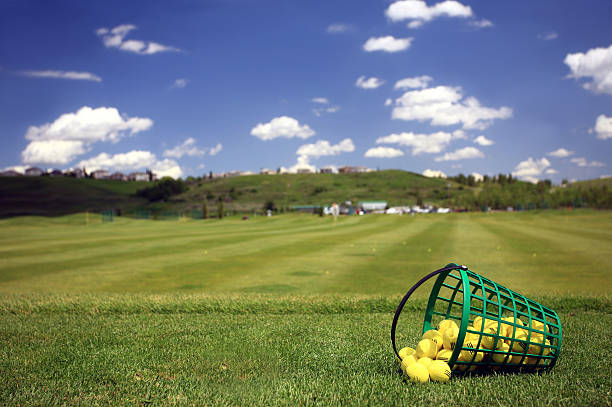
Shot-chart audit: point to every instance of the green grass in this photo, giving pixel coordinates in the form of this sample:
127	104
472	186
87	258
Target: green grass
53	196
282	311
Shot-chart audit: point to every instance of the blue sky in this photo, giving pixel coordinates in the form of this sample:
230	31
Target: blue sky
187	87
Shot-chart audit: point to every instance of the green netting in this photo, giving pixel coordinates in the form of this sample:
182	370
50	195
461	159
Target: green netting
499	329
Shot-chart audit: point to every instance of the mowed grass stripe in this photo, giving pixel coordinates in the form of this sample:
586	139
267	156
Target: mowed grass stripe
539	259
147	260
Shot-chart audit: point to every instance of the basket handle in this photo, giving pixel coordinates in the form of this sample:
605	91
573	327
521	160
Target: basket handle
400	307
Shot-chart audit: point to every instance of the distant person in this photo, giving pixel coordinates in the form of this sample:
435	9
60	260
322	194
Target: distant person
335	210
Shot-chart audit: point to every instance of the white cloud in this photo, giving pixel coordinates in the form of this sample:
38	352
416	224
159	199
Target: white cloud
282	126
461	154
216	149
324	148
114	38
560	153
303	163
595	64
419	12
77	76
420	143
53	151
337	28
417	82
548	36
19	168
483	23
551	171
72	134
332	109
383	152
133	161
387	44
323	101
583	162
434	173
446	106
603	127
483	141
388	102
369	83
530	169
188	148
477	177
180	83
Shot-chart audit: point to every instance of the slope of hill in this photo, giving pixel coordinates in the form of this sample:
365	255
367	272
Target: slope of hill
50	196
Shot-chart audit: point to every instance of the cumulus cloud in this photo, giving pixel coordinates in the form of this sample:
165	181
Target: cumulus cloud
387	44
461	154
133	161
324	148
73	75
388	102
549	36
434	173
115	38
383	152
418	12
483	141
560	153
583	162
603	127
188	148
369	83
283	126
477	177
53	151
421	143
596	65
530	169
417	82
551	171
483	23
445	106
180	83
338	28
323	101
72	134
216	149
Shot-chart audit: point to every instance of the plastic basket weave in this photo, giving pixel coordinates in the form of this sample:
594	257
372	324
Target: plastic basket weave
531	331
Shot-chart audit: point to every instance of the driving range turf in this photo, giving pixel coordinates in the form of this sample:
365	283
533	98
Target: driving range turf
286	310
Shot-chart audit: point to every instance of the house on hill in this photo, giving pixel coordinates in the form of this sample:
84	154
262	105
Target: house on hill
138	176
56	173
100	174
354	169
118	176
34	172
10	173
267	171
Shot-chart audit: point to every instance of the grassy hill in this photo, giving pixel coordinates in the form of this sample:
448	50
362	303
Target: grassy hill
50	196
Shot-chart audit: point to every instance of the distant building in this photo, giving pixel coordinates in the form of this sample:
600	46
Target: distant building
34	172
76	173
100	174
138	176
327	170
304	171
267	171
351	170
56	173
371	206
119	177
10	173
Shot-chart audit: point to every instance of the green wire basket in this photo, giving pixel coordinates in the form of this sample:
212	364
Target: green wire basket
530	331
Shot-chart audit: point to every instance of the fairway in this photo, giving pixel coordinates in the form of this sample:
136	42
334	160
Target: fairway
293	309
547	253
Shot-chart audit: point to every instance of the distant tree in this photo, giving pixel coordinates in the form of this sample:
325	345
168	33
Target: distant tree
471	180
210	175
204	211
485	178
564	181
220	209
269	205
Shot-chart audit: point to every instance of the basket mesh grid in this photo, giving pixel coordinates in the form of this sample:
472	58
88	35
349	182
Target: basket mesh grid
531	331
